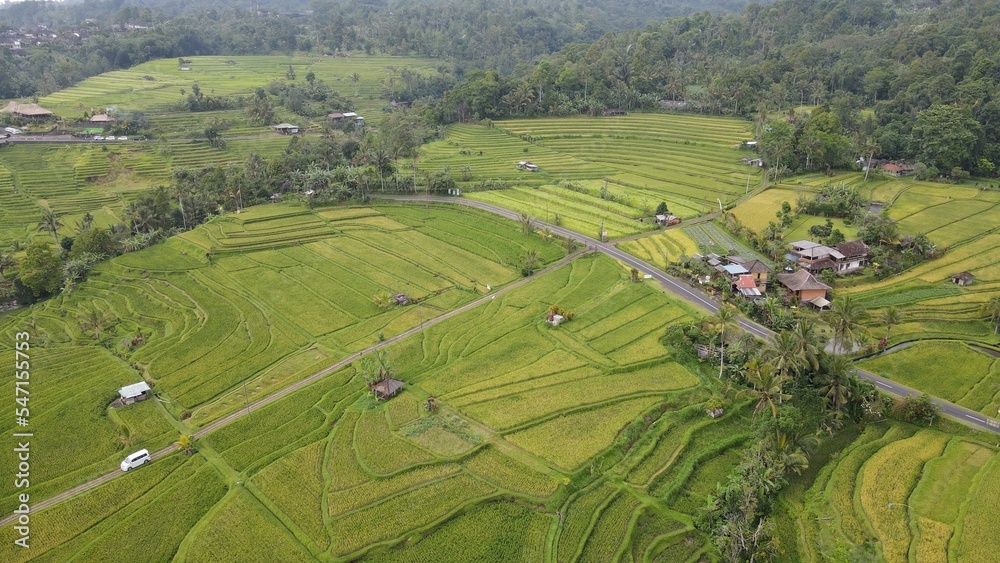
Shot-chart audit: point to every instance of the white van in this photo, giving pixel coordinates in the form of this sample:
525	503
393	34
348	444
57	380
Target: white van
135	460
12	131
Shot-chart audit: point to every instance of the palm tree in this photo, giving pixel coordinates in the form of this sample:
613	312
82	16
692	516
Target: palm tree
869	147
992	310
51	223
85	223
530	261
791	451
890	317
95	321
375	367
785	353
767	386
185	444
806	339
771	308
6	261
726	319
527	223
846	318
836	383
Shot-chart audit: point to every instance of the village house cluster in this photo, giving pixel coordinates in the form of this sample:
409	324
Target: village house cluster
749	278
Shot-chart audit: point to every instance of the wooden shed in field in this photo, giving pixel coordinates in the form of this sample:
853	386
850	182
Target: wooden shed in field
963	279
387	388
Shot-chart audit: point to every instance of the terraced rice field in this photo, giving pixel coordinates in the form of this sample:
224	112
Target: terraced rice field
662	249
94	446
948	369
901	494
288	291
689	162
684	156
101	179
327	471
228	76
77	179
962	221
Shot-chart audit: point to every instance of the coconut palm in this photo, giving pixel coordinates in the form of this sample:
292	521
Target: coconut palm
527	223
772	308
791	450
846	318
785	354
85	223
185	444
807	340
51	223
7	261
992	311
890	317
530	262
767	385
835	383
726	320
94	321
376	367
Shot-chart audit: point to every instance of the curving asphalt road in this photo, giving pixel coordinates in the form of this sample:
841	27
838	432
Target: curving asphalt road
698	298
669	283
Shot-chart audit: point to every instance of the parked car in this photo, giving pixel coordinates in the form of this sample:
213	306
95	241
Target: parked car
98	137
109	138
122	138
140	457
12	130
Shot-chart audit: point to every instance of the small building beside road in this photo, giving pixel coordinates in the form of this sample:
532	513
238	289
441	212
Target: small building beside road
28	111
803	286
387	388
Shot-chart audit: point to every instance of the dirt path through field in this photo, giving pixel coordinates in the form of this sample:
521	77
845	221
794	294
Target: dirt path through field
305	382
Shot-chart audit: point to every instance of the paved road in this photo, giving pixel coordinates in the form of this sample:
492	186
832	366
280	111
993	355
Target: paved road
256	405
681	289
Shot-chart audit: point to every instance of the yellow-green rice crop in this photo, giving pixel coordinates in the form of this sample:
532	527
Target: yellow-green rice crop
397	516
242	529
295	485
508	473
376	490
382	451
887	478
571	439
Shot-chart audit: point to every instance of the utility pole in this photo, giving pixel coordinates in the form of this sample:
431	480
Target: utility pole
748	185
246	398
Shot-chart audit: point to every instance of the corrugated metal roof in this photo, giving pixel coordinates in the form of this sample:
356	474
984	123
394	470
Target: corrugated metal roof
134	390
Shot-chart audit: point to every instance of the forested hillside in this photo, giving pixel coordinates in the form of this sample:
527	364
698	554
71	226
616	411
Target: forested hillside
490	33
907	81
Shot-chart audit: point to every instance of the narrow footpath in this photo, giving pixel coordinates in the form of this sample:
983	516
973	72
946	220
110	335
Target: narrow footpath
285	391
